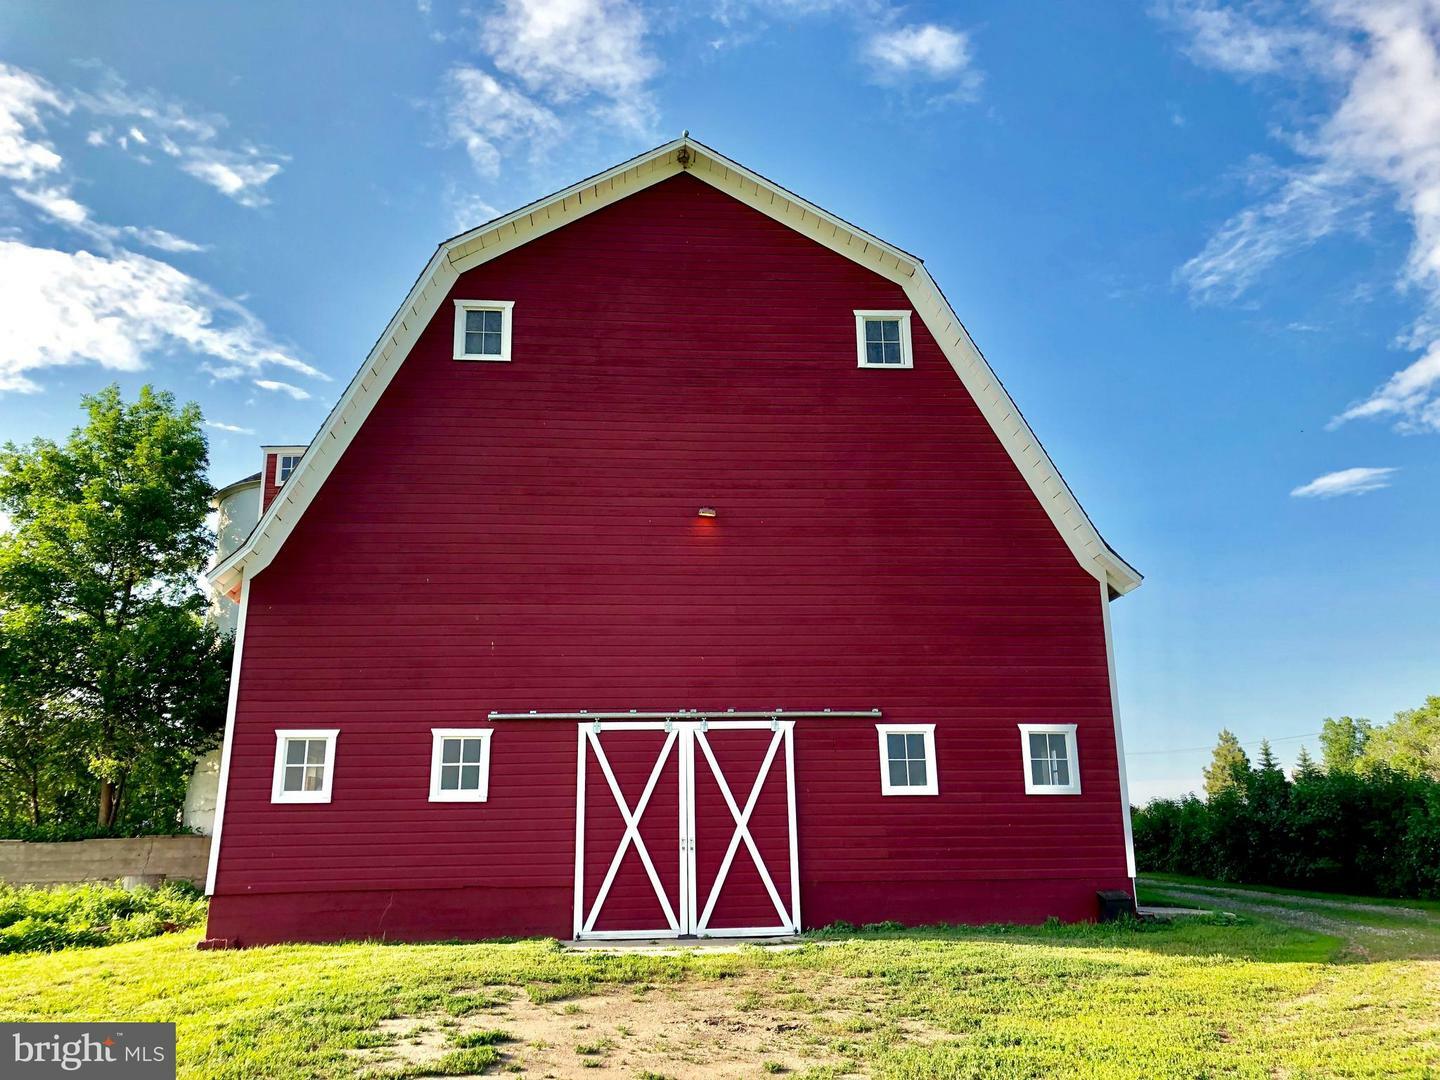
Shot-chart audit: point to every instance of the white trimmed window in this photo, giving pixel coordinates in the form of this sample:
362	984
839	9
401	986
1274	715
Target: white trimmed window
304	766
882	339
1051	764
482	329
907	759
460	764
285	464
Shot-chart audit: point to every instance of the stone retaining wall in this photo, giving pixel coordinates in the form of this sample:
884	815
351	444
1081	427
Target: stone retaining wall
147	859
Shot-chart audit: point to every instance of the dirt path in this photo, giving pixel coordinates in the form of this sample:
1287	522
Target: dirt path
1301	901
741	1027
1344	919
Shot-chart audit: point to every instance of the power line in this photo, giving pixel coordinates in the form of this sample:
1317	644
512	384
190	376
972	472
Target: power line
1198	749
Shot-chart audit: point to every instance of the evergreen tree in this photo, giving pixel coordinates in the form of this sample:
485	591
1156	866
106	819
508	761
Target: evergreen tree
1266	762
1305	766
1228	765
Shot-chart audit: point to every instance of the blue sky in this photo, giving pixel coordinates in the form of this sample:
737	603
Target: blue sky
1200	242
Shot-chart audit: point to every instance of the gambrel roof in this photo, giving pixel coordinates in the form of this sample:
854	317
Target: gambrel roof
481	244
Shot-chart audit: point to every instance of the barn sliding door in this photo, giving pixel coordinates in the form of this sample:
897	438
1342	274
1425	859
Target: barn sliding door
686	828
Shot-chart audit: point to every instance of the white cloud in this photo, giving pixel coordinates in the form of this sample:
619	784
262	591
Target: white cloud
1345	482
54	202
109	306
1382	60
928	50
189	137
66	309
574	50
57	204
220	425
284	388
22	97
557	64
161	240
485	116
467	209
1308	205
1408	395
1234	39
241	176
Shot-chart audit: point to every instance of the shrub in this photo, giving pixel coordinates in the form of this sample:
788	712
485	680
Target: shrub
1375	832
69	916
61	832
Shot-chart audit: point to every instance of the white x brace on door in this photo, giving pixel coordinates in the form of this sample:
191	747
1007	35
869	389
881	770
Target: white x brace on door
666	848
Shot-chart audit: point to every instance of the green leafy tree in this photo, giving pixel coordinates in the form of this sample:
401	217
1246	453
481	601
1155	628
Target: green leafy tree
1410	744
1342	743
98	590
1228	765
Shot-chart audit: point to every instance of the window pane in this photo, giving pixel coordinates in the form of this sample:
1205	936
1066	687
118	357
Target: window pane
897	773
470	777
892	352
473	341
314	777
894	746
1037	746
449	777
472	750
294	751
450	750
1061	772
294	778
490	344
1040	772
917	773
492	321
474	320
872	329
315	752
874	352
915	747
1058	747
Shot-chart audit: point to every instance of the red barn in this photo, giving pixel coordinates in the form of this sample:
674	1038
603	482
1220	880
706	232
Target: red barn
674	565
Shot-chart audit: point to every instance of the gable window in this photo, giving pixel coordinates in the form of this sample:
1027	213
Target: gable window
907	759
482	329
285	464
882	339
304	766
460	764
1051	764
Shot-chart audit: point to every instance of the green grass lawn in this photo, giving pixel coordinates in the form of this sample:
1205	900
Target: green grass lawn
1286	987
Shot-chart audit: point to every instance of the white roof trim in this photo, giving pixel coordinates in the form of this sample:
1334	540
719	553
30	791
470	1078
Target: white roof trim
479	245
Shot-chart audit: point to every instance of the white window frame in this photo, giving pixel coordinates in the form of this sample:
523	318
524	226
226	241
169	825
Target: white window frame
907	357
280	464
437	744
932	771
1072	756
278	794
505	307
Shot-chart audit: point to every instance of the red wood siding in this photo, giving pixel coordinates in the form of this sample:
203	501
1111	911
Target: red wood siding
268	487
517	536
